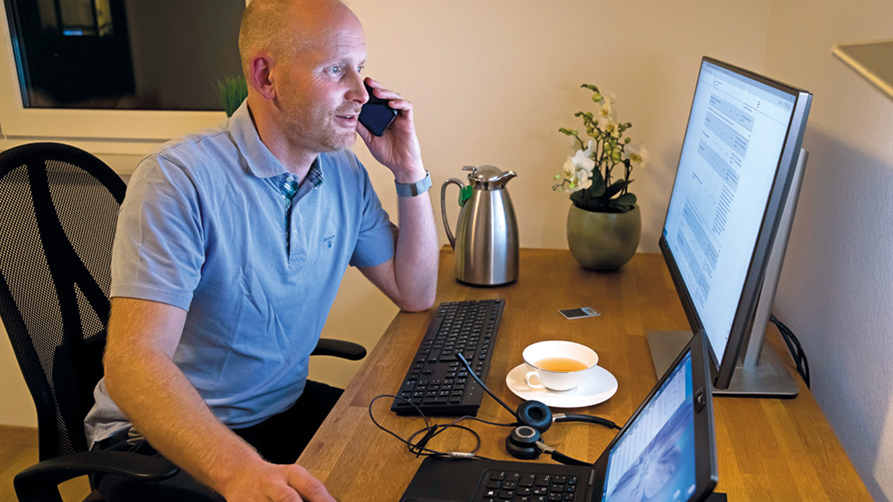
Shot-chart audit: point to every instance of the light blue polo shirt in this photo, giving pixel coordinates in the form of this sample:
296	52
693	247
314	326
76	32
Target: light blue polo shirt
203	228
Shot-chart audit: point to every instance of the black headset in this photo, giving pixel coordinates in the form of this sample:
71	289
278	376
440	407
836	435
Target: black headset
534	418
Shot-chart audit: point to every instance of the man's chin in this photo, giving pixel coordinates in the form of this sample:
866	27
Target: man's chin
340	142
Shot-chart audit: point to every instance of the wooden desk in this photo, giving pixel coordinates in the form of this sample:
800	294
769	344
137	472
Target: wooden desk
768	449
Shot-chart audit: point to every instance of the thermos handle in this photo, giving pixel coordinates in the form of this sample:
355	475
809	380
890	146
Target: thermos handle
446	222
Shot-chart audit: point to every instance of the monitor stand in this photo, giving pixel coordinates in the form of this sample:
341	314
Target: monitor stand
758	373
769	378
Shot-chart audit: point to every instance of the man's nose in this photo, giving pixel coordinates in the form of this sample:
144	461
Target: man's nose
357	91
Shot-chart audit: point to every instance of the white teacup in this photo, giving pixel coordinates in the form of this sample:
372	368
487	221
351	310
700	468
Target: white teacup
558	365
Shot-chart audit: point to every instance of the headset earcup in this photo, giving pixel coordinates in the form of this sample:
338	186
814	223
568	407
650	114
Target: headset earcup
535	414
521	443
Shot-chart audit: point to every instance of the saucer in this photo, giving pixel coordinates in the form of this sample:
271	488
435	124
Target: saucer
599	387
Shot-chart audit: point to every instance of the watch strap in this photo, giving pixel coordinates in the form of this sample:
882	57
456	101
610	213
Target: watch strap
413	189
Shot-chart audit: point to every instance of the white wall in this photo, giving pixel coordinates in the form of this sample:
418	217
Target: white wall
835	287
493	81
17	408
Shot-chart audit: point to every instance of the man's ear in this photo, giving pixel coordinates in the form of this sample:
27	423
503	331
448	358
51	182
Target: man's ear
260	75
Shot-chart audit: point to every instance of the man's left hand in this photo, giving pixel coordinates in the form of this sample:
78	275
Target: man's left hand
398	148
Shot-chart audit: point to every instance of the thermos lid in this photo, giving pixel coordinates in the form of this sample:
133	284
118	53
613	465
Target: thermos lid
488	177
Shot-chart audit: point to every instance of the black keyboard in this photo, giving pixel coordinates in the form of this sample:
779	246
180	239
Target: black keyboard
437	382
506	486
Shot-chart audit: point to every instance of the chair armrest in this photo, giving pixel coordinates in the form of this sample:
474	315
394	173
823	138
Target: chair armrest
339	348
38	483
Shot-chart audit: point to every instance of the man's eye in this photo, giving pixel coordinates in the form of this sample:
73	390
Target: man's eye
335	70
360	69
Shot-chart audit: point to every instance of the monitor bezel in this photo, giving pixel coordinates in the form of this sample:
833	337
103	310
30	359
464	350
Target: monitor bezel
724	364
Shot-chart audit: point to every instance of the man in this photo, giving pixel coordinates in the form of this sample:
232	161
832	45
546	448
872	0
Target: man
224	268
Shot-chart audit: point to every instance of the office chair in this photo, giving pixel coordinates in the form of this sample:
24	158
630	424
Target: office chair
58	210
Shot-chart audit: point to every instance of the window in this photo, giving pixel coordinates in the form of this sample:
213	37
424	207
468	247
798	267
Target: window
116	69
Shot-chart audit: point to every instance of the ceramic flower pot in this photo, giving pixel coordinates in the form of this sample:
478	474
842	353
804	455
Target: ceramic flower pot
603	241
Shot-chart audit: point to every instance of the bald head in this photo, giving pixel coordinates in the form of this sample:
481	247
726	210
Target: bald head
282	28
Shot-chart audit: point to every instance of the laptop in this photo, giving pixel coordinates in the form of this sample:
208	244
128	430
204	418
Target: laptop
665	452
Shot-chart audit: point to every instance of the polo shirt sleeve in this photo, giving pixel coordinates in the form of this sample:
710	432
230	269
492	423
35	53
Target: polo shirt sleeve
159	245
375	242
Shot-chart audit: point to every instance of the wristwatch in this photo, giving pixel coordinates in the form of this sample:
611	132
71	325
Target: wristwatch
413	189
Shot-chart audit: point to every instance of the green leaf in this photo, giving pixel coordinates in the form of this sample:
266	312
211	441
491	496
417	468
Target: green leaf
598	184
566	132
616	187
231	91
627	199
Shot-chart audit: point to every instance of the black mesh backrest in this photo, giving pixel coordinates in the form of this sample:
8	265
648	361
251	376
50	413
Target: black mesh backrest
58	209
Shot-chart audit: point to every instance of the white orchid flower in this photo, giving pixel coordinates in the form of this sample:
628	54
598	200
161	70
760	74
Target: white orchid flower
583	179
569	169
612	128
582	161
590	147
605	110
637	155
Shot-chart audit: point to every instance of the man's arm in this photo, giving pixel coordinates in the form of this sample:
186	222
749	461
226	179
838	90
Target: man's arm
410	278
142	379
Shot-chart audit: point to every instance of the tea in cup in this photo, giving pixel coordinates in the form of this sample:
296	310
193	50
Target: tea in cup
558	365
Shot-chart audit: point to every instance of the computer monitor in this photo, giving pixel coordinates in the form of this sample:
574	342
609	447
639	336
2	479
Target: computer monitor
728	221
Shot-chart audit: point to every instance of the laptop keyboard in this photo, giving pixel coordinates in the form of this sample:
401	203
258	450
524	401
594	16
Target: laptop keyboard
507	486
437	382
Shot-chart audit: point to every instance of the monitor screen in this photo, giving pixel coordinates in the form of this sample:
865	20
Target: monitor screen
655	457
735	169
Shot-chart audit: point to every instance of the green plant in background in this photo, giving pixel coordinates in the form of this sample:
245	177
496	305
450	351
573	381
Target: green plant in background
231	91
591	173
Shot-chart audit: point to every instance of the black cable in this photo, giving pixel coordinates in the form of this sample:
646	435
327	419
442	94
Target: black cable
589	418
598	420
794	347
428	432
420	448
486	389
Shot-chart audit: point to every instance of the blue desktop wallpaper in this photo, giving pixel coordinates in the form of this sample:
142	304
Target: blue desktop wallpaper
665	471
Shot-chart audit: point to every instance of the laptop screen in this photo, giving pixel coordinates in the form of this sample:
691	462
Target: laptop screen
655	458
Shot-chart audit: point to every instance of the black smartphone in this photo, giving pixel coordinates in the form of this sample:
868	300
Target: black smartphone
376	115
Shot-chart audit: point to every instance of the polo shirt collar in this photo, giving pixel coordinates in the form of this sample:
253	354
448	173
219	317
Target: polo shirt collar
260	160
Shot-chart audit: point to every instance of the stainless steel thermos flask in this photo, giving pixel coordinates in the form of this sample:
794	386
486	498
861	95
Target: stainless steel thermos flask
486	240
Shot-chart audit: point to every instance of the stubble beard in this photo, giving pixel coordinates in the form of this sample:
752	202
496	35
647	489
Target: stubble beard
313	129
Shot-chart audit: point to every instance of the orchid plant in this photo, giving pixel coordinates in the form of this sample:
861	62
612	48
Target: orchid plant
598	173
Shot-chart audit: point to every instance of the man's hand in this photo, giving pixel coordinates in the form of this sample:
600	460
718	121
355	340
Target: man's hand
277	483
398	148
